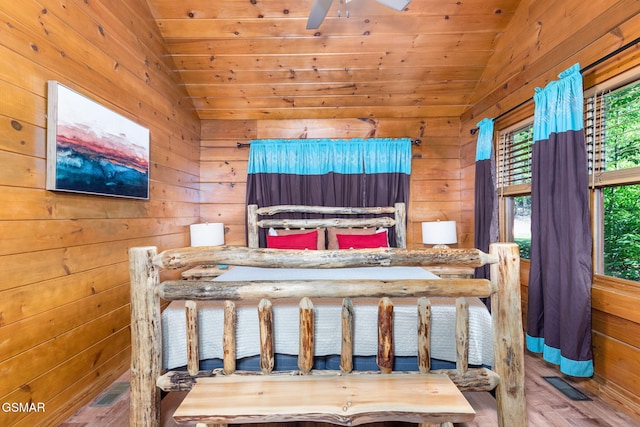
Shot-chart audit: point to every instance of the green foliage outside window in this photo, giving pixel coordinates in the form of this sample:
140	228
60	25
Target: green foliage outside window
522	225
622	232
622	128
622	203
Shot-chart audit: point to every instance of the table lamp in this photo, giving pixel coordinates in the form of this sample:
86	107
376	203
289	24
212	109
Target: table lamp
439	233
208	234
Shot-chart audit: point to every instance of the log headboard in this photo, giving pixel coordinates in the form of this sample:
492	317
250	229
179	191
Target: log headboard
398	220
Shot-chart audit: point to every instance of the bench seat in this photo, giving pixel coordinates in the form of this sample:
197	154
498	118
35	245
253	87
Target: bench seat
335	398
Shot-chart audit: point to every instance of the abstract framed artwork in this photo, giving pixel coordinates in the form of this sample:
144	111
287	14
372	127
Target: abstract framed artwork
92	149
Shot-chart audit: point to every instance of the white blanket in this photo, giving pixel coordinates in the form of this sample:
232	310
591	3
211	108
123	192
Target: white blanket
328	320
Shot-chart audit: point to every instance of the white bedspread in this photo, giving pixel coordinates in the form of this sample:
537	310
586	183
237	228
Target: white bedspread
328	320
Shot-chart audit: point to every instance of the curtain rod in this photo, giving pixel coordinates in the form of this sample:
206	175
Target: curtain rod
582	70
247	144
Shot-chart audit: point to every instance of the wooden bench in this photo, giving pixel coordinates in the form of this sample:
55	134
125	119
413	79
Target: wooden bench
346	400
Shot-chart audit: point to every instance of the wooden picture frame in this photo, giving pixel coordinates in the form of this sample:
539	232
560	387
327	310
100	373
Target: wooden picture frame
92	149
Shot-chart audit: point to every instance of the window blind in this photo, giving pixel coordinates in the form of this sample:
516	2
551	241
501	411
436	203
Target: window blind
514	156
594	131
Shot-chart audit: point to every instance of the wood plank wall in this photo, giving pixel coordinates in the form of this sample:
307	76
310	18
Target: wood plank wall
64	292
64	312
543	39
435	179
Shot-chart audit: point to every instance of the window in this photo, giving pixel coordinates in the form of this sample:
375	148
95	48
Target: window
621	232
515	156
514	185
521	229
612	131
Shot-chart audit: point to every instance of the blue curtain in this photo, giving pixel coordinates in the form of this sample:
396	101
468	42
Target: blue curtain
559	297
323	156
486	201
325	172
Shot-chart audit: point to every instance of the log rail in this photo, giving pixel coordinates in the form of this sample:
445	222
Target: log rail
507	377
398	221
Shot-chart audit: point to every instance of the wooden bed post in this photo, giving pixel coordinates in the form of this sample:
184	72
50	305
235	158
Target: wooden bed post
146	338
252	227
506	314
401	225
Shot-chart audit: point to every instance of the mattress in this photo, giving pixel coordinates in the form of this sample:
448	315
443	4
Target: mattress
327	314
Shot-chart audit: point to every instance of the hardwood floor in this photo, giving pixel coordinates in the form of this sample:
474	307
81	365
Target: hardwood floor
546	406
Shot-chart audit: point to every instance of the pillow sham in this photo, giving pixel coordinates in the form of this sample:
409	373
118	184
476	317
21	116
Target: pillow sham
284	232
307	240
332	240
363	241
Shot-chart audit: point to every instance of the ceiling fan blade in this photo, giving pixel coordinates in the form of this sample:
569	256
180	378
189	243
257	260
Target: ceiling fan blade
318	12
398	5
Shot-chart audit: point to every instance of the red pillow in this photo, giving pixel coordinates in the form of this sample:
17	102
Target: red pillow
321	239
294	241
332	232
363	241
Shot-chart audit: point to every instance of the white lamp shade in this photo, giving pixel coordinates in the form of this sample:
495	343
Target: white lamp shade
439	232
398	5
207	234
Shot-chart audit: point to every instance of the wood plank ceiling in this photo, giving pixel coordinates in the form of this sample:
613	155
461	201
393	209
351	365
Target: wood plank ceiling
255	59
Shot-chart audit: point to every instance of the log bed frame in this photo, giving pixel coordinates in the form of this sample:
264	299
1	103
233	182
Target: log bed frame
343	397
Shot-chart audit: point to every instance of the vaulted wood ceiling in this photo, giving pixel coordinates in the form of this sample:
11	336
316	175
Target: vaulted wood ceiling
255	59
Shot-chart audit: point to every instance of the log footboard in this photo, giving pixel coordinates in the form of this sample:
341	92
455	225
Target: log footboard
343	397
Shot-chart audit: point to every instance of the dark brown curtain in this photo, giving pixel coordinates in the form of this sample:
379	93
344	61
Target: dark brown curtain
559	296
486	202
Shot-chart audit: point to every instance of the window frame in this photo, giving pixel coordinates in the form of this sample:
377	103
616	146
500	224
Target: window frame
507	193
600	179
621	176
